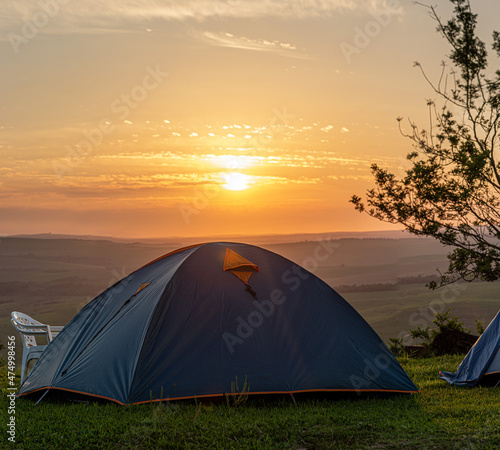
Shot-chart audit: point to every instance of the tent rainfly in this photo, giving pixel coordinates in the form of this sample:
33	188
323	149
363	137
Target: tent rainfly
482	364
189	324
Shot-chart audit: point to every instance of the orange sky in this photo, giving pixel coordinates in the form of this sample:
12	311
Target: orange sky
159	118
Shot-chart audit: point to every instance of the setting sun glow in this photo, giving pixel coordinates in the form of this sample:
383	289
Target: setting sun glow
199	118
236	181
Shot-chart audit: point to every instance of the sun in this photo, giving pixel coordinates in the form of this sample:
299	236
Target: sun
236	181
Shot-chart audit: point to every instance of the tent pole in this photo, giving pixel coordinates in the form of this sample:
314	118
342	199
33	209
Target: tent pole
40	399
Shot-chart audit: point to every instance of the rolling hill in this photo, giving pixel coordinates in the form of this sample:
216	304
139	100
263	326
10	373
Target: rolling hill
51	278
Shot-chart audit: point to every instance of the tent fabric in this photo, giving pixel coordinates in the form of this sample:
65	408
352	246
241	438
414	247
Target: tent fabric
182	327
482	363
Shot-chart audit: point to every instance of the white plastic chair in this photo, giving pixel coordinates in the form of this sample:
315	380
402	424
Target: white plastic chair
28	329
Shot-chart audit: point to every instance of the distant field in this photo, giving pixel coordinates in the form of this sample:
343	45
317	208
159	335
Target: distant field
51	279
394	312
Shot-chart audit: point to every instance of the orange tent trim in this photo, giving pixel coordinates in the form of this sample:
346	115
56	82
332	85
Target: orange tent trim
208	396
170	253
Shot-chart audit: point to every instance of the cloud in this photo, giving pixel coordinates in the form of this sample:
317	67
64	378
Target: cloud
84	16
261	45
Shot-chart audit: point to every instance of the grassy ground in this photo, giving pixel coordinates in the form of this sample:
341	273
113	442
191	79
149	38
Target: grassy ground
441	416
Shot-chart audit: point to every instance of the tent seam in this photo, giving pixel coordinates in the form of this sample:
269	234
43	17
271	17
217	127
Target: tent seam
153	312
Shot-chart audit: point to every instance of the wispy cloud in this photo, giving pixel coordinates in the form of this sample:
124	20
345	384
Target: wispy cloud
70	16
261	45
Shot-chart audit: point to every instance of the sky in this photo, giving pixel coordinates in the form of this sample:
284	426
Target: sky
160	118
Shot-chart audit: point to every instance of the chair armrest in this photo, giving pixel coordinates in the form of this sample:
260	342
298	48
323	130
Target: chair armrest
31	332
25	328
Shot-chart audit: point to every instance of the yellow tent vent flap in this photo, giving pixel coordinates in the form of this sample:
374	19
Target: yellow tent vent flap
239	266
141	287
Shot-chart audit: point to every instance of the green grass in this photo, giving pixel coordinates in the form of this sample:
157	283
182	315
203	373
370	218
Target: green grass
441	416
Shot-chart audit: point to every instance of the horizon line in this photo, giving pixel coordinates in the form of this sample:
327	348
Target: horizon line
209	236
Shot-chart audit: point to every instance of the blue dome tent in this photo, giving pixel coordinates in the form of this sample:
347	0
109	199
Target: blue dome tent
482	364
192	322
